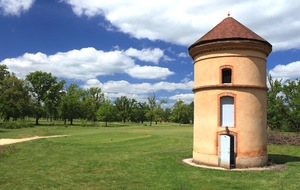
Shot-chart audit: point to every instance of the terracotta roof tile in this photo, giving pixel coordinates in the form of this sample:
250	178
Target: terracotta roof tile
229	29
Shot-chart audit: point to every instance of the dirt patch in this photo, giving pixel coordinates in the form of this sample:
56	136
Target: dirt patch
12	141
4	149
190	162
283	138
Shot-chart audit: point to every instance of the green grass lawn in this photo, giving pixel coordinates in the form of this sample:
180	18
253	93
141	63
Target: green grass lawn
127	157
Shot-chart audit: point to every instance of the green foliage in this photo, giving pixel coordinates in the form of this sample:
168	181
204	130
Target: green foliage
139	111
107	112
93	97
53	98
86	123
182	113
42	95
16	125
70	105
291	91
124	106
275	104
46	92
152	106
283	105
167	114
14	98
3	72
155	111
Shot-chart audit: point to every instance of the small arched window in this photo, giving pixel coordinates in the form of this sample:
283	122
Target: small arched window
226	76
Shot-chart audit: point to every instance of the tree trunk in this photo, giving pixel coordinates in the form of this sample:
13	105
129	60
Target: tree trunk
151	119
37	120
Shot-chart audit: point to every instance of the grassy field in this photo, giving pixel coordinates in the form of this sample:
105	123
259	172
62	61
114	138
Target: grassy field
127	157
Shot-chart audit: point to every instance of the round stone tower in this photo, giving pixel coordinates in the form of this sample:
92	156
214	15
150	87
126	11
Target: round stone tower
230	97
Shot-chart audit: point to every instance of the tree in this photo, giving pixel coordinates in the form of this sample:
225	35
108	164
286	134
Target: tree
3	72
91	103
283	105
70	106
107	112
152	107
159	112
43	88
155	112
124	106
181	112
53	99
138	113
167	114
275	104
14	99
291	91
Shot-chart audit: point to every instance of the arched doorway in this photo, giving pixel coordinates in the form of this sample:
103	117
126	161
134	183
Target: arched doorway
227	151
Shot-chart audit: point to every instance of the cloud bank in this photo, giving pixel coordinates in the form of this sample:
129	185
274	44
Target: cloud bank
141	91
179	22
88	63
289	71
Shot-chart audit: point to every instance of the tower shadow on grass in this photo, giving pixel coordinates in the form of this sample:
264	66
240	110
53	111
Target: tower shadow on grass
282	159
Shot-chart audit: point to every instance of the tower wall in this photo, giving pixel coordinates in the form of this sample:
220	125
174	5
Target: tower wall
248	87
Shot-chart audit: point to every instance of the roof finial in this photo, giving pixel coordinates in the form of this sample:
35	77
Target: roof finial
228	14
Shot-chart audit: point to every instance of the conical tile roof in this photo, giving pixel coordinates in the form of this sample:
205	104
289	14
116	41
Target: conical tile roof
229	29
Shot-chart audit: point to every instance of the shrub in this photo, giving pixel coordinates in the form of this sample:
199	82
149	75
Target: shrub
16	125
283	138
86	123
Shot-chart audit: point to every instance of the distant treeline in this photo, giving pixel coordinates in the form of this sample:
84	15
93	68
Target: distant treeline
41	95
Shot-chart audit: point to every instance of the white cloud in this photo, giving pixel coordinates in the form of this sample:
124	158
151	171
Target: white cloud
289	71
15	7
84	64
183	54
142	88
168	59
171	86
179	22
149	55
140	91
92	83
187	98
149	72
186	79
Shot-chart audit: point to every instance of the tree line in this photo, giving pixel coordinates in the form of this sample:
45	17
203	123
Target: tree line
283	104
41	95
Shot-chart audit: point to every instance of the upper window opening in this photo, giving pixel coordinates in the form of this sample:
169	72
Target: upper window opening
226	75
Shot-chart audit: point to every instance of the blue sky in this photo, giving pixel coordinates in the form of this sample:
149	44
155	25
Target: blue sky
134	47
